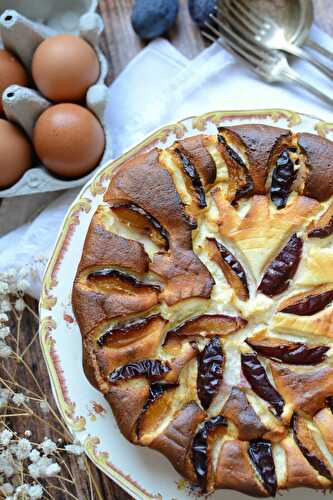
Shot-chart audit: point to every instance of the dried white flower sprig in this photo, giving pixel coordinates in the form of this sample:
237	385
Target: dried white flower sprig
30	469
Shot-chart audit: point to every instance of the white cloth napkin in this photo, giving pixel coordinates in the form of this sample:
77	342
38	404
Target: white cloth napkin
158	86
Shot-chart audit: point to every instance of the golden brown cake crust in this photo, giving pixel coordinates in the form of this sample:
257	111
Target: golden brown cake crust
299	471
259	142
307	392
204	297
175	441
234	470
131	395
195	149
104	248
241	413
144	182
319	152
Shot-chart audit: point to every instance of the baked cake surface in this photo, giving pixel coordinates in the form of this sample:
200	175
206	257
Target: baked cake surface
204	297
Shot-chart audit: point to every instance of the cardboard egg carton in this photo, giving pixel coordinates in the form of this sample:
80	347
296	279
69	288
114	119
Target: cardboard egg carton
23	27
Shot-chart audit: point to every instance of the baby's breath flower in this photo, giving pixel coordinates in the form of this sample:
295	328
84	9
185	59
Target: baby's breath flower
22	285
5	437
44	406
5	350
35	491
43	467
19	460
21	491
7	489
4	332
23	449
7	464
52	470
4	288
20	305
48	446
34	455
5	305
75	449
4	397
18	398
23	272
11	274
3	318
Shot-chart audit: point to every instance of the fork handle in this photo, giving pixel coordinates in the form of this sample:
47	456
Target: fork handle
301	53
319	48
292	76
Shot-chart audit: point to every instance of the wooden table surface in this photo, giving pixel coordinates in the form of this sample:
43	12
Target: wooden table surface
120	44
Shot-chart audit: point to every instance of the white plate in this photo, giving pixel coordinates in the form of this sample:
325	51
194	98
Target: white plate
141	472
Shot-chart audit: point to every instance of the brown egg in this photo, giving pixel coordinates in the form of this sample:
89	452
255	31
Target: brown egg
11	72
64	67
69	140
15	153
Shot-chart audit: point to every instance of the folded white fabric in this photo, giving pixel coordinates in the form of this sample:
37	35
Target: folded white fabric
151	92
159	86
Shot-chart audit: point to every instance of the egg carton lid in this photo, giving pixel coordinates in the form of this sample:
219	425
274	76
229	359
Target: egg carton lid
57	15
22	105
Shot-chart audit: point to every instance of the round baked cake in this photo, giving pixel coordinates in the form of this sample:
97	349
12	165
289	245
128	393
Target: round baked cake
204	297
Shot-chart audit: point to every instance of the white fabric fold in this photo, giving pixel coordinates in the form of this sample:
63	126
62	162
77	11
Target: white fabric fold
158	86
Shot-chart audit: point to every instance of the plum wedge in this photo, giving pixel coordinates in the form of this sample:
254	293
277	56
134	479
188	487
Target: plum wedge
309	447
210	371
194	181
230	266
157	405
142	220
151	368
282	268
283	177
257	377
209	325
201	452
260	452
307	303
293	353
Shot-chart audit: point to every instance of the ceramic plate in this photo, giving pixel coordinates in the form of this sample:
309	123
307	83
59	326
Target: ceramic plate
143	473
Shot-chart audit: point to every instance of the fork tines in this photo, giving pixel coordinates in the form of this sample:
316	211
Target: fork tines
250	52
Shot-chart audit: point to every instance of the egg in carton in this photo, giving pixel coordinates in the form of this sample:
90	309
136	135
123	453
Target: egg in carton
23	105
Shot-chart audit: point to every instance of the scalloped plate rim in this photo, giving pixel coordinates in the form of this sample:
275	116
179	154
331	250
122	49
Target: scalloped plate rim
98	458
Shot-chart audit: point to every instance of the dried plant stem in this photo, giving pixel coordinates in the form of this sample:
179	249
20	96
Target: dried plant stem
41	419
27	367
18	332
32	312
63	491
12	381
63	462
92	481
44	466
56	416
10	415
50	426
30	344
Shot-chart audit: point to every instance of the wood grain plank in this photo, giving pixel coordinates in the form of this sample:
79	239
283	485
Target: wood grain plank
20	209
122	42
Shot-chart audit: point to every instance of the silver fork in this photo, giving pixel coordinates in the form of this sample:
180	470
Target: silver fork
256	26
270	65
